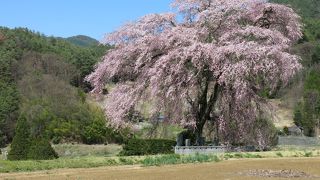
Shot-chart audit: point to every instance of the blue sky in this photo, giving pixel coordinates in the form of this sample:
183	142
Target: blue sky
66	18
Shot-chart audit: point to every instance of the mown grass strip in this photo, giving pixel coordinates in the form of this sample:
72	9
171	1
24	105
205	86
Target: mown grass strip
153	160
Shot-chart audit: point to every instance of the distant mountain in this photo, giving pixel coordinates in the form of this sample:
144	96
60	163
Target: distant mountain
82	40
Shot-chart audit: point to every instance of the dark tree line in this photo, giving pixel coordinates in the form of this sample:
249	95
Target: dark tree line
307	111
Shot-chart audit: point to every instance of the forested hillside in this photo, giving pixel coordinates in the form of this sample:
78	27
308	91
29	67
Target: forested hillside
41	78
306	8
307	100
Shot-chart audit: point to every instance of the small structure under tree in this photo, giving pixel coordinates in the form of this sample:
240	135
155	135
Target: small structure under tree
212	65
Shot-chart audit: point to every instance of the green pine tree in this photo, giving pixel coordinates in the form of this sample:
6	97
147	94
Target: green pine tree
41	149
21	141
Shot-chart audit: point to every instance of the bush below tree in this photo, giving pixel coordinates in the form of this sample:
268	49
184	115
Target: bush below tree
147	147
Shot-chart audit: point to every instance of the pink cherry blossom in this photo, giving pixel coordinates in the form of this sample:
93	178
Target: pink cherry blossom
210	66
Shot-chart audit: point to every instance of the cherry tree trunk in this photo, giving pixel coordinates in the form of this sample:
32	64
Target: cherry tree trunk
198	134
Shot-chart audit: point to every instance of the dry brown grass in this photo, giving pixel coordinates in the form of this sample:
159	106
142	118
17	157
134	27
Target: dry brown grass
282	114
80	150
232	169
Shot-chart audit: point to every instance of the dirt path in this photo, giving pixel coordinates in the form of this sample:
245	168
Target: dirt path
228	170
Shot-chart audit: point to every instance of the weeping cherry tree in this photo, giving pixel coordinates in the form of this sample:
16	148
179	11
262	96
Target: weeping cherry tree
209	61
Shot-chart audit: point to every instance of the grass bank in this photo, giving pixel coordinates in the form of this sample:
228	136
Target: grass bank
94	161
156	160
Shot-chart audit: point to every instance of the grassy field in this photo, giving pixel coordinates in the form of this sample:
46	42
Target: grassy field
240	169
157	160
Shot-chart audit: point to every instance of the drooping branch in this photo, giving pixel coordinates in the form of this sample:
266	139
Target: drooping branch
191	75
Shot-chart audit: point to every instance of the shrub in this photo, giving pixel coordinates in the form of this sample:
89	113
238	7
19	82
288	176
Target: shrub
286	130
308	154
279	154
95	133
41	150
99	133
147	147
21	141
118	137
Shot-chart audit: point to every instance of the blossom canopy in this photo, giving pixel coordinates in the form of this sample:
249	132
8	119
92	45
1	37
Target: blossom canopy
211	65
